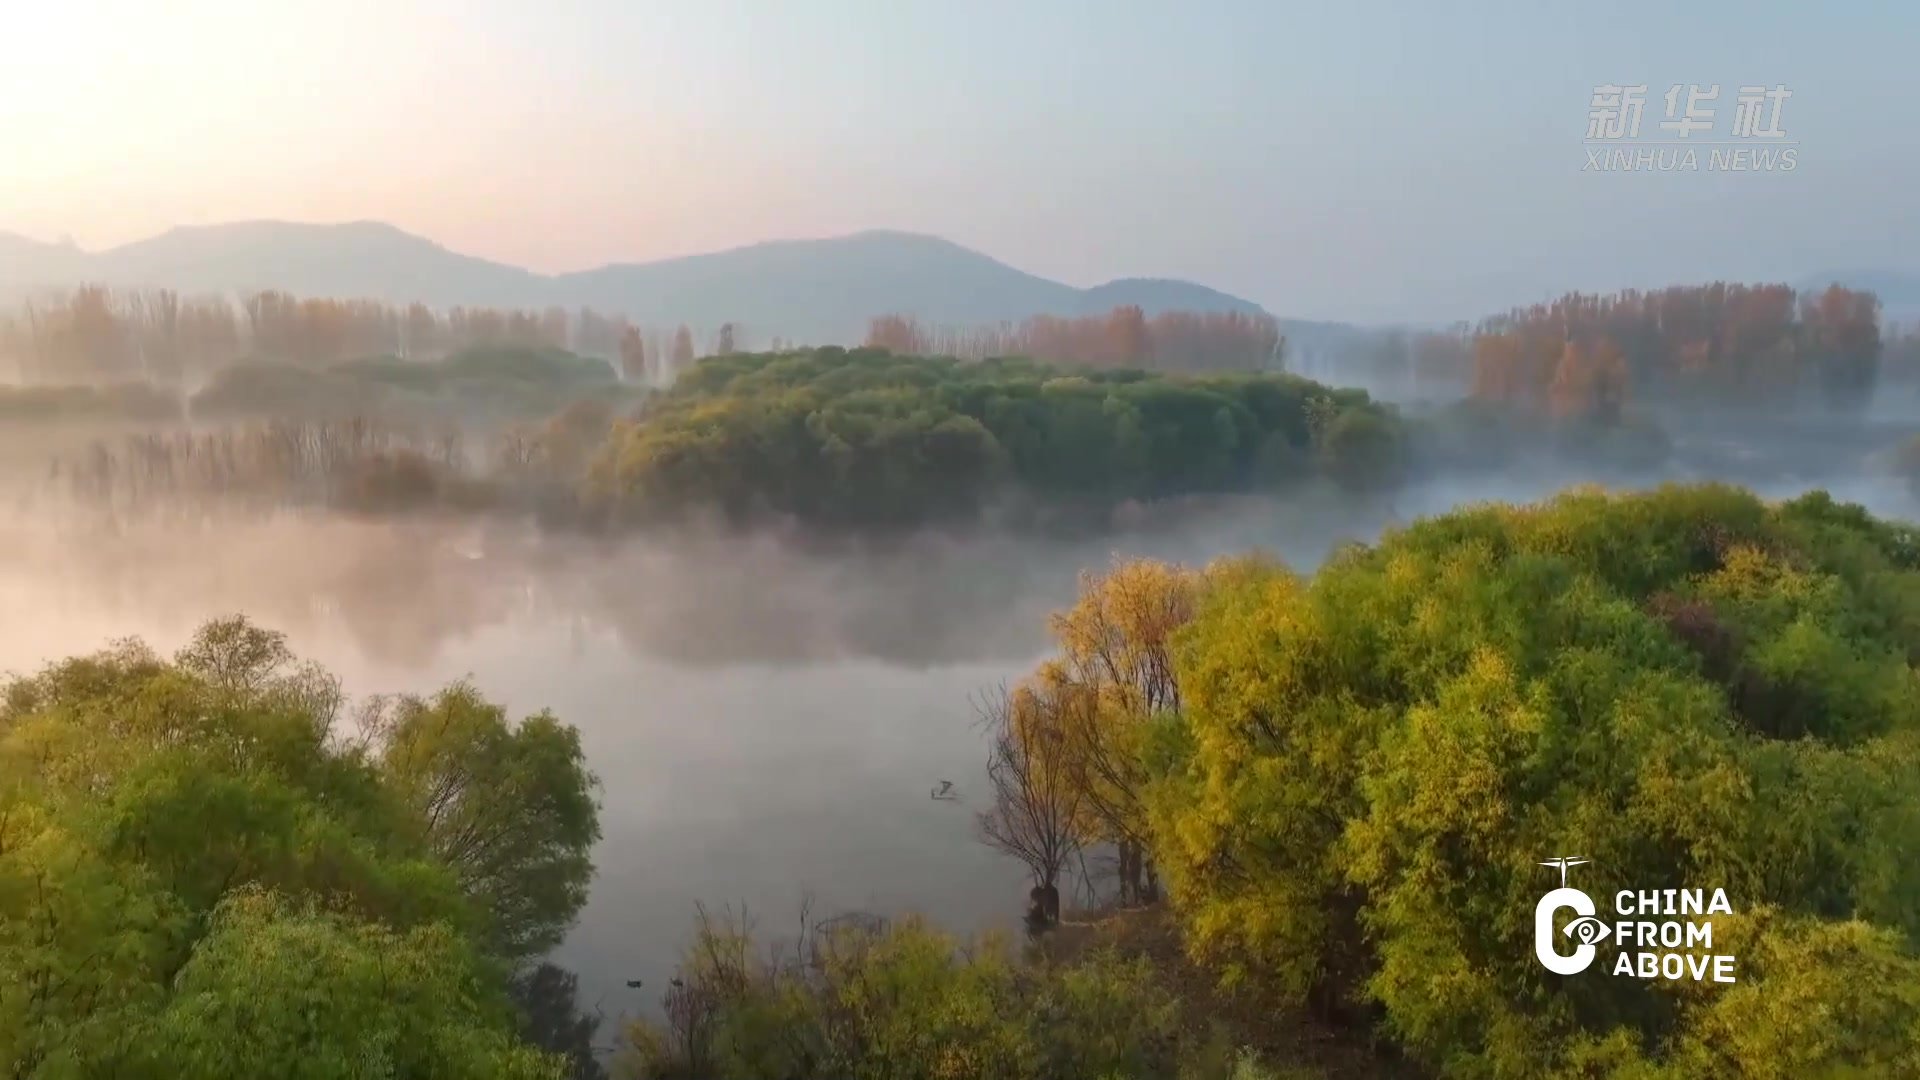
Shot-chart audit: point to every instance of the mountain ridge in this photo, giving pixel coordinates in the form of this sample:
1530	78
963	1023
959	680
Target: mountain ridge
817	290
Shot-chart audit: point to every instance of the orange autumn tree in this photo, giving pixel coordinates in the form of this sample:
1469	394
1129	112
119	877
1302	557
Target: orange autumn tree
1124	337
1085	722
1589	383
93	332
1113	676
1754	345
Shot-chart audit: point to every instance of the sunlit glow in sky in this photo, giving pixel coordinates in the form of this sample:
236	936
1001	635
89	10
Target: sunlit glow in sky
1390	160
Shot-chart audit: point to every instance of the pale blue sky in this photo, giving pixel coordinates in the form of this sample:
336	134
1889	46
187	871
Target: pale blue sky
1405	160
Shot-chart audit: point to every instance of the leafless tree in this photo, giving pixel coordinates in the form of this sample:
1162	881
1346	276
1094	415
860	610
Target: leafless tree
1035	801
714	976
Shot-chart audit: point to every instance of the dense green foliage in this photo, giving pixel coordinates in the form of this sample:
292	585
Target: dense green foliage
199	876
476	384
869	438
1690	687
503	808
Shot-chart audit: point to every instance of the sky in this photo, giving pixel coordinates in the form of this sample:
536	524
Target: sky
1416	161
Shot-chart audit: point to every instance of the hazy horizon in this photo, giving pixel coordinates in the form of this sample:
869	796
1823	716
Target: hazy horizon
1360	164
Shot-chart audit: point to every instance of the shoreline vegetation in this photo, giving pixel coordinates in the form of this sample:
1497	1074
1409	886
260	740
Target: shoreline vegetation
478	410
485	410
830	438
1325	798
1316	804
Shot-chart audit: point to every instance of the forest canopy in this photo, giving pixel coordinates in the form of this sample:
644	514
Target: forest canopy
1690	687
208	869
865	437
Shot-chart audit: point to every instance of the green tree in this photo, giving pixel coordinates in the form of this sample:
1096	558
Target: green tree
199	876
1689	686
509	808
279	990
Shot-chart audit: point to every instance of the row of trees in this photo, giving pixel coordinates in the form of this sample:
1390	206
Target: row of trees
868	438
94	333
205	872
1177	341
1584	356
1346	782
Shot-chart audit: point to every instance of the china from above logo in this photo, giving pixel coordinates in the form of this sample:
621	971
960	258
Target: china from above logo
1678	946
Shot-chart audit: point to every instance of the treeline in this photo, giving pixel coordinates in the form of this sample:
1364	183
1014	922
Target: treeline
93	333
479	388
1174	341
1591	357
1734	345
868	438
211	867
476	387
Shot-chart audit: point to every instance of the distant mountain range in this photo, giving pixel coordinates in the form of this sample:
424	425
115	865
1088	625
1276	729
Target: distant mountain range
814	291
818	291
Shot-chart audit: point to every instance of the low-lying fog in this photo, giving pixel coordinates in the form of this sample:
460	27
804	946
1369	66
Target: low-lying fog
767	719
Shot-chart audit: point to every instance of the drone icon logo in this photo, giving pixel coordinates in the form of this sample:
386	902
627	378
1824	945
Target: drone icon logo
1587	930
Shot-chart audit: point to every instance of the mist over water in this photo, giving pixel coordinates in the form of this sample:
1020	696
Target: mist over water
767	714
